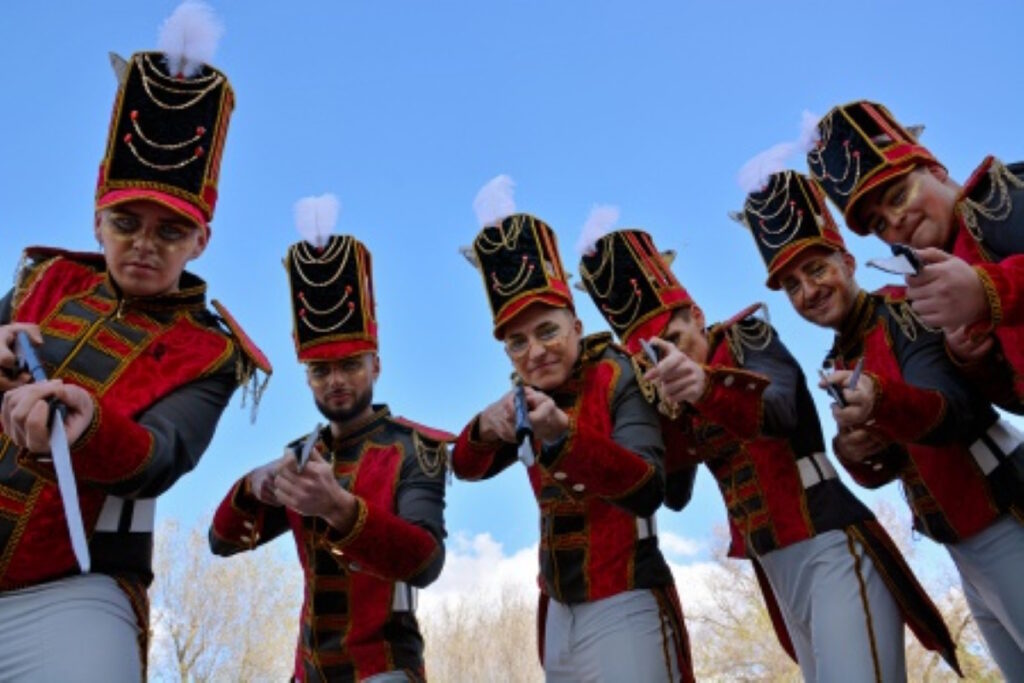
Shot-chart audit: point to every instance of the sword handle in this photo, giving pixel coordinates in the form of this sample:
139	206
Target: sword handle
28	361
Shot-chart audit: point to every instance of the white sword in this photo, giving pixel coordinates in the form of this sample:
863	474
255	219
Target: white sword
61	455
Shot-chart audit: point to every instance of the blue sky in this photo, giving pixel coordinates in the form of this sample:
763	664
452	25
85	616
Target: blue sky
405	109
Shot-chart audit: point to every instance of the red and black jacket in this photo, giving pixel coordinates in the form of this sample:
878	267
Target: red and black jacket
988	234
932	416
598	488
357	618
160	369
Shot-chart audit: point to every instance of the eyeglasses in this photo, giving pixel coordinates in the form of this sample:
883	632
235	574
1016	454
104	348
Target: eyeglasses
126	227
319	373
549	335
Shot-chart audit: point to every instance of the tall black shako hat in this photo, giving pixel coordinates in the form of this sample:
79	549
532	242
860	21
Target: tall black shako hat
517	255
330	278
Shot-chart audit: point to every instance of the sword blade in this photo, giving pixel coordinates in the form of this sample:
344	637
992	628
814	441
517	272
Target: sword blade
69	492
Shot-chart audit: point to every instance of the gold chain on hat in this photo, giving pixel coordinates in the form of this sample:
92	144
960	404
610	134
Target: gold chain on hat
161	167
302	255
134	116
607	263
814	157
518	280
508	240
327	311
329	328
148	82
632	306
758	206
197	80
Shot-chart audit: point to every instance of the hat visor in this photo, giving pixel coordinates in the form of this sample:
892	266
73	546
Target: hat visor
179	206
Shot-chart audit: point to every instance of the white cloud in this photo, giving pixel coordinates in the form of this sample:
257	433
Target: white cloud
674	545
477	569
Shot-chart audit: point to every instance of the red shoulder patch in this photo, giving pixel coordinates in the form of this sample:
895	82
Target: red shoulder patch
429	432
246	344
976	177
892	292
41	253
744	314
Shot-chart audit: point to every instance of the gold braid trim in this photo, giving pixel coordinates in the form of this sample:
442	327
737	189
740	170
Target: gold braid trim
906	318
996	206
26	276
995	306
867	606
433	456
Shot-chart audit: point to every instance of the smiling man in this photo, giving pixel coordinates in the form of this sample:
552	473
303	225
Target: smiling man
366	508
143	366
734	398
909	415
970	237
609	610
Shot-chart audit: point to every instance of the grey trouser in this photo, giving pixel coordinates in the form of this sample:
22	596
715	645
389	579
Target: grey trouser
837	637
621	638
991	566
76	630
388	677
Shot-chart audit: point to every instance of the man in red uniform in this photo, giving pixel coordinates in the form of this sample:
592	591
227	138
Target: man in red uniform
144	368
909	415
367	507
609	610
734	398
970	237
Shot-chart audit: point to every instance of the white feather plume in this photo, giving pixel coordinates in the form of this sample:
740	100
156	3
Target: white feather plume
600	222
188	38
315	218
753	176
809	132
495	201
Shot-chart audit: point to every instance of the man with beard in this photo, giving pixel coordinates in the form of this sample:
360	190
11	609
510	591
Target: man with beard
734	398
363	497
969	238
608	609
909	414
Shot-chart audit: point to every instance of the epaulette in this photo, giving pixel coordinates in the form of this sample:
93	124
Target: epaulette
251	360
36	260
895	299
988	195
431	445
746	331
596	344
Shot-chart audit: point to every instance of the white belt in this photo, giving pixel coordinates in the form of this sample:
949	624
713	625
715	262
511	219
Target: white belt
646	527
999	441
814	469
405	599
142	515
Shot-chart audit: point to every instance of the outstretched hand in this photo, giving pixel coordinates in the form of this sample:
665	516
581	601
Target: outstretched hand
497	422
947	293
679	378
9	378
549	421
314	492
860	400
25	413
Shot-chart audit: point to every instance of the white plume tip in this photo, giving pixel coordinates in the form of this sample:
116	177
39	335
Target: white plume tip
315	218
599	223
495	201
188	38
